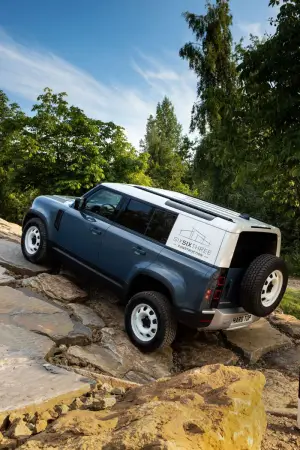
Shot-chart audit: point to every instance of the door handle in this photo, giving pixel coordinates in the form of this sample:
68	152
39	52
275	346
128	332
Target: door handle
96	230
139	250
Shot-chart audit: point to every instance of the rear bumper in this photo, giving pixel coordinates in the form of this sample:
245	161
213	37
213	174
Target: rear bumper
217	319
229	319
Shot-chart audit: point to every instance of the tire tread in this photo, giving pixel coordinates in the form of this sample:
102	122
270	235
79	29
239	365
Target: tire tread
165	308
253	281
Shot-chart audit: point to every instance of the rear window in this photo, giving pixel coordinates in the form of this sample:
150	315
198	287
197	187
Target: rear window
136	216
161	225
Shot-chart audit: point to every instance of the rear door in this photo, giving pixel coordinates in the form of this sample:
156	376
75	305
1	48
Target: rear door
81	233
126	249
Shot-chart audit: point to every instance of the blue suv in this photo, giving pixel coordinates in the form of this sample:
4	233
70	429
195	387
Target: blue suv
170	257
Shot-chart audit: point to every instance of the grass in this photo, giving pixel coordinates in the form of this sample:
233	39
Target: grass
291	303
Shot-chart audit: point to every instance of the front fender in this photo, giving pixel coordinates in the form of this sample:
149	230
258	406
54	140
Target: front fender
32	212
46	208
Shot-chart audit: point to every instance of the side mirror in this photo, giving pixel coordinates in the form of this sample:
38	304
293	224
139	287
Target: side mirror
79	203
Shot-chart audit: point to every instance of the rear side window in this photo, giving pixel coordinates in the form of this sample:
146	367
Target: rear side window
136	216
161	225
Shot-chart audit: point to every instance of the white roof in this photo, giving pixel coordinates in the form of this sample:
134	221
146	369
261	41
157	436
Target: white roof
225	218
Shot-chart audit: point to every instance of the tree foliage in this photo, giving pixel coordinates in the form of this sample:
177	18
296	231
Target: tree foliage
247	114
60	150
168	151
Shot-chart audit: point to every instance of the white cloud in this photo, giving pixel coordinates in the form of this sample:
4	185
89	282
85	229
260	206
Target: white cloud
255	28
26	71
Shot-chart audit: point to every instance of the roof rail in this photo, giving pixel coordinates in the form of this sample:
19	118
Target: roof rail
181	202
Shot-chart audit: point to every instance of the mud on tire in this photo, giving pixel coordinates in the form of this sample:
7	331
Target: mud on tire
263	285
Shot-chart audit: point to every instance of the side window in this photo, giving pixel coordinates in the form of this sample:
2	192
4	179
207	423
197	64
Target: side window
103	203
136	216
161	225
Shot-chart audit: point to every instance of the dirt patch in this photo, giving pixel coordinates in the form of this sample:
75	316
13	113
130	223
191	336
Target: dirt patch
281	434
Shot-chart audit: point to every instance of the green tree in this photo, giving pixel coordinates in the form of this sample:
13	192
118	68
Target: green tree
163	143
60	150
212	60
69	152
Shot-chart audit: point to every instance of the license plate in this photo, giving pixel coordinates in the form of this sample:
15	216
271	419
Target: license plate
242	319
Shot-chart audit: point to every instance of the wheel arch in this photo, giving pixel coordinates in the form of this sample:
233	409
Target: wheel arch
31	214
148	282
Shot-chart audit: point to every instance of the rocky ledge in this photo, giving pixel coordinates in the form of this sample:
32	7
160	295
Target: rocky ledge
215	407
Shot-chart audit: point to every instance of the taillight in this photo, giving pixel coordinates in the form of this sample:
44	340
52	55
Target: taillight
215	289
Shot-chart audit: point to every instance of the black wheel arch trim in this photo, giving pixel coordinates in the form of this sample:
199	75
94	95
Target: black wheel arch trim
155	277
31	214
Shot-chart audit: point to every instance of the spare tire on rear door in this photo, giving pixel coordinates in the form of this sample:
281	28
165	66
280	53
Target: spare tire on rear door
263	285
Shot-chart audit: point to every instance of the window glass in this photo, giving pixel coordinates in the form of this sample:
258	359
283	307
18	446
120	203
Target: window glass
103	202
136	216
161	225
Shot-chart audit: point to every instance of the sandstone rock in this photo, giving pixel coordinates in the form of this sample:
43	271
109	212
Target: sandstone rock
56	287
103	403
10	231
5	278
283	412
62	409
77	404
11	258
34	314
45	415
198	354
86	315
116	356
18	429
8	444
280	391
285	360
286	323
118	391
106	387
41	425
138	377
257	340
215	407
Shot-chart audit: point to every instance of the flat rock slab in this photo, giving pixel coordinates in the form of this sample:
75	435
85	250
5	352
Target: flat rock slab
118	357
257	340
56	287
198	354
33	314
86	315
17	343
10	231
11	258
5	278
285	360
286	323
24	382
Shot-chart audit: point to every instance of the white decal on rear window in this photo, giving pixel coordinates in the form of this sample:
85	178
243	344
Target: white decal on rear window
196	239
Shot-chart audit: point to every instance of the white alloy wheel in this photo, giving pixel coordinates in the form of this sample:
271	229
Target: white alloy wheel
32	240
144	322
272	288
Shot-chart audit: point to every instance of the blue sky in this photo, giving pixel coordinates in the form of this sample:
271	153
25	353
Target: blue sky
115	58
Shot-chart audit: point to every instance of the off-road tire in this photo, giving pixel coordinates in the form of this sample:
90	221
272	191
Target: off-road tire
253	282
167	324
42	256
